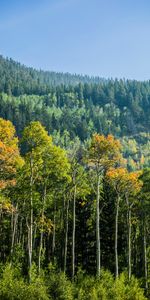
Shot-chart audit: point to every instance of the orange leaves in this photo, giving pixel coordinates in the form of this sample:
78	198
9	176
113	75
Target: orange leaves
122	180
104	154
116	178
6	183
115	174
2	184
98	138
9	154
104	151
134	181
106	141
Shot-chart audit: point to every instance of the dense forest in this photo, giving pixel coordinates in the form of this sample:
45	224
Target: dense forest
18	79
74	107
74	186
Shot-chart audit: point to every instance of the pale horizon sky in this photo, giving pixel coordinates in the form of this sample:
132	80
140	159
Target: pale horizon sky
108	38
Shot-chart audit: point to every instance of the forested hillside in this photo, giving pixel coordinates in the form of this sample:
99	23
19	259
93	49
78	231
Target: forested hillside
72	107
74	186
17	79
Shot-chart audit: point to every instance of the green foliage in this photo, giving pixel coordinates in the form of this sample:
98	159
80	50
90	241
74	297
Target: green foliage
57	286
14	287
107	288
124	290
36	207
17	79
72	106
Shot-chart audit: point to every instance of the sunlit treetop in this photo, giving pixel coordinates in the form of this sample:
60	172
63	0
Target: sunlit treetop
104	151
122	180
35	135
7	133
10	158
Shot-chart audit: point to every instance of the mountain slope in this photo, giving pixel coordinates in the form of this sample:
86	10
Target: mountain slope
17	79
69	110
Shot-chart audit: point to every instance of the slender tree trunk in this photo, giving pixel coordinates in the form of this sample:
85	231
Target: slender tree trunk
129	235
30	234
12	222
41	235
20	231
116	235
62	228
54	229
129	243
13	233
49	248
73	232
98	249
34	235
40	250
145	259
66	235
136	251
20	240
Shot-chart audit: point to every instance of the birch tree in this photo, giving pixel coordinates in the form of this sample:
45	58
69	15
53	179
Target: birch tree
126	185
35	138
103	153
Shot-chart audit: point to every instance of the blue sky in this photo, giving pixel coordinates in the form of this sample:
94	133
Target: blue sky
109	38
